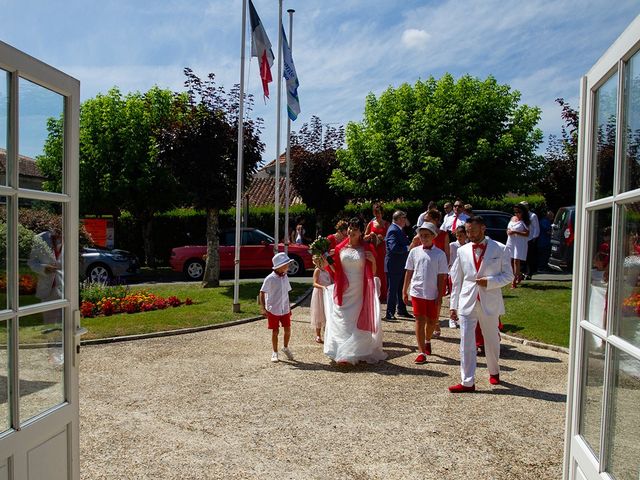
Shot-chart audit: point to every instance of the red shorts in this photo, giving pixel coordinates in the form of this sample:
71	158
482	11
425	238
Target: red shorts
424	308
274	321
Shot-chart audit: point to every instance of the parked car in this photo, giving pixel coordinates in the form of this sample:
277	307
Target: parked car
256	251
562	236
496	222
103	265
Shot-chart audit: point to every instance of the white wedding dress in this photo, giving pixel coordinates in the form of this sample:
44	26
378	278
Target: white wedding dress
343	341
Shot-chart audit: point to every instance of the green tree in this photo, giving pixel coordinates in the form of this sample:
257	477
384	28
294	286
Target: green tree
313	156
558	184
200	148
441	138
119	168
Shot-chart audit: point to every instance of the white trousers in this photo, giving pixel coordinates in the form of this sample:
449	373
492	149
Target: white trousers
468	350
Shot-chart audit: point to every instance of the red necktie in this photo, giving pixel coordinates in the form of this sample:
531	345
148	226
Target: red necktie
455	222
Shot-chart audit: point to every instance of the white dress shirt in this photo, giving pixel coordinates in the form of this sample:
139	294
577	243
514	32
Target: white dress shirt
276	291
426	265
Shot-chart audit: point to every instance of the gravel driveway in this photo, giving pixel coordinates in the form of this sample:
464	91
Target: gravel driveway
212	406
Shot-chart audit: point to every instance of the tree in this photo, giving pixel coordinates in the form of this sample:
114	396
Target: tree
314	158
119	169
441	138
561	159
200	148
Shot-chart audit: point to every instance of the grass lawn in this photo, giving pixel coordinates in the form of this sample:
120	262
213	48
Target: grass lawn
210	306
539	311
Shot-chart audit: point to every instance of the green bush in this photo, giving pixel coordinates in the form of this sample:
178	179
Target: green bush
25	240
95	291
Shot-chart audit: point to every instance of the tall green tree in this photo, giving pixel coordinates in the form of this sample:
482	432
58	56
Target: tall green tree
313	155
441	138
119	168
200	148
558	184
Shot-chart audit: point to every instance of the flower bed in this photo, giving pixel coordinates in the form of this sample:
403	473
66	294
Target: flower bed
631	305
131	303
26	284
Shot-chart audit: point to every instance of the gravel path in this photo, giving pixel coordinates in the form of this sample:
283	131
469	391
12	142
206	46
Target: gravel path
212	406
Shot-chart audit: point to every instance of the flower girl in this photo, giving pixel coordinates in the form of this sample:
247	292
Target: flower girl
321	280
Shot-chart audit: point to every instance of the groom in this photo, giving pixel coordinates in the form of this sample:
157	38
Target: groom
397	244
482	268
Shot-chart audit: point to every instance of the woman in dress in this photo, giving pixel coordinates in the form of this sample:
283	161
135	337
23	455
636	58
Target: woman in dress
339	236
374	233
353	332
518	240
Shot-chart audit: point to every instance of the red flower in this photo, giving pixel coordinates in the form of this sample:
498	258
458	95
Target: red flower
188	301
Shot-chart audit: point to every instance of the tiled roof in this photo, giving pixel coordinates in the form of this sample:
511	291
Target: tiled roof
27	165
262	192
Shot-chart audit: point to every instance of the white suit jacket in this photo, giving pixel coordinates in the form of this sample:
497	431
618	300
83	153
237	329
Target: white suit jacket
496	267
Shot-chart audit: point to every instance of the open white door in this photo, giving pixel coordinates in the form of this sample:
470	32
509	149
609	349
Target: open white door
603	408
39	420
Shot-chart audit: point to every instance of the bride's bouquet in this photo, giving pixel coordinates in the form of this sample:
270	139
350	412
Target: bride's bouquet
320	246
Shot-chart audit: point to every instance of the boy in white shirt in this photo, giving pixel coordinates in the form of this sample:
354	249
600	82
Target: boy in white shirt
461	239
425	277
274	303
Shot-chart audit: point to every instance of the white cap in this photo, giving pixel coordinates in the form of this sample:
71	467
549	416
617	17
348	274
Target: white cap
280	259
429	226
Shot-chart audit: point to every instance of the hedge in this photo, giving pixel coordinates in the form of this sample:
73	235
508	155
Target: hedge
188	226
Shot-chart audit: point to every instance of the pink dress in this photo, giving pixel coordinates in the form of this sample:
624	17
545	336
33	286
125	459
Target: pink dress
317	303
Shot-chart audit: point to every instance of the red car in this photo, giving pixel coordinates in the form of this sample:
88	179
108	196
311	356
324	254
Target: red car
255	254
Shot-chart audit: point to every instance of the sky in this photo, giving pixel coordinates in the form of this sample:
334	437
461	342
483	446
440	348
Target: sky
342	49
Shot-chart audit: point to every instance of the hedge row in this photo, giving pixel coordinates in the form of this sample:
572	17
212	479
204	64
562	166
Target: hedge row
188	227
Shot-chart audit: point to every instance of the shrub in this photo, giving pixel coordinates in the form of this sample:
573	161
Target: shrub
96	291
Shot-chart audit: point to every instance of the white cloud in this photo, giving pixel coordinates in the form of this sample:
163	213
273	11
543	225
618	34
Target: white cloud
414	38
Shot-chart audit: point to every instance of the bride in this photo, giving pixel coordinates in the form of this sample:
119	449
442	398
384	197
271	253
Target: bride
353	333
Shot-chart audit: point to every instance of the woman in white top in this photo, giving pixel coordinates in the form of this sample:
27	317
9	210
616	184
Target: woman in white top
518	240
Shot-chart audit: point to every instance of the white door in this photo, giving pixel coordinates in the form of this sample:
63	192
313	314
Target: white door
603	414
39	421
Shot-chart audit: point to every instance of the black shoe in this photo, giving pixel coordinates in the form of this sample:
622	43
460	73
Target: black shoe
405	315
390	318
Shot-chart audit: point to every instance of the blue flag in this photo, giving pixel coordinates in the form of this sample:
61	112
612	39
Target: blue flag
291	78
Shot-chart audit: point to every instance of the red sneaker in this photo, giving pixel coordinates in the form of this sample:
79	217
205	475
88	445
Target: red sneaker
427	348
494	379
420	359
459	388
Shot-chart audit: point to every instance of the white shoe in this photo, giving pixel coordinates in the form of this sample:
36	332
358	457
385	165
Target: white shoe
452	323
274	357
288	353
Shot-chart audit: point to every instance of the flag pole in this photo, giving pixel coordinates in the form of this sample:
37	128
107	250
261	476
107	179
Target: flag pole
276	229
287	191
239	175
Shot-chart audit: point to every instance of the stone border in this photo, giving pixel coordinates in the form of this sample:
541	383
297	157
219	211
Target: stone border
183	331
532	343
296	303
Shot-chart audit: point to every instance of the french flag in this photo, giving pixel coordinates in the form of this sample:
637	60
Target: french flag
261	48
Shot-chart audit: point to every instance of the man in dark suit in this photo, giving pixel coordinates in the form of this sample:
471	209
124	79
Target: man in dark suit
397	244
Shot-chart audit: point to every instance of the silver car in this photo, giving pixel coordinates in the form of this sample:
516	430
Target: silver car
103	265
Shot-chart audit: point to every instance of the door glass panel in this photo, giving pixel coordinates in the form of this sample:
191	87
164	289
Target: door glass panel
624	447
41	363
593	386
4	124
5	422
3	253
600	223
41	252
605	137
41	137
631	167
627	311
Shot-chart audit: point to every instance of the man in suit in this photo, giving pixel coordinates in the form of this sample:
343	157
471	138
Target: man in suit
397	244
480	271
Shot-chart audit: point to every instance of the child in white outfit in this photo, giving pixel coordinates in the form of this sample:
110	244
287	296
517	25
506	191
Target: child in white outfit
274	303
321	280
